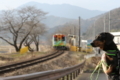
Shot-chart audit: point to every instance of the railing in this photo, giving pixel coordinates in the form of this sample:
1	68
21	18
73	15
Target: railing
7	50
60	74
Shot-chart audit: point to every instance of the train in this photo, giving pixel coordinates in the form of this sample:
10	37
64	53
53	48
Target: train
59	42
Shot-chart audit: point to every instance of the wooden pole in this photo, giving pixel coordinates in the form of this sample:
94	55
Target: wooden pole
79	34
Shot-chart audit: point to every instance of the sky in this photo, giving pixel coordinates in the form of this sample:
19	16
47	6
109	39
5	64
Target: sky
102	5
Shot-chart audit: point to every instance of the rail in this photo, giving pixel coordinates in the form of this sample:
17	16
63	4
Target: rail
14	66
69	73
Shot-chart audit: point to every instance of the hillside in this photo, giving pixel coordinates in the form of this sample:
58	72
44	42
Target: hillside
103	23
53	21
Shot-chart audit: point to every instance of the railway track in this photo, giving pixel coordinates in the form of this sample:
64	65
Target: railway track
14	66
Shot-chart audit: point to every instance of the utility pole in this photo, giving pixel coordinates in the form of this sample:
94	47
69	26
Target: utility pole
75	37
109	21
104	23
74	30
70	32
94	31
79	34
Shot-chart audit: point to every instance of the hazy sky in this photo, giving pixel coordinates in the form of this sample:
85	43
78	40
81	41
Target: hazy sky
103	5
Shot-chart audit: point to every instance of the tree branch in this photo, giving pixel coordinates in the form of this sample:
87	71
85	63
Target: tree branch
7	41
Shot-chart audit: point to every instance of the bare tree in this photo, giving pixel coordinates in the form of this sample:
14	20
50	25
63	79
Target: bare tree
28	42
16	25
39	31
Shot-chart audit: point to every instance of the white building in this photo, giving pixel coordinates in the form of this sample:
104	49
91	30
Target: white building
83	44
116	38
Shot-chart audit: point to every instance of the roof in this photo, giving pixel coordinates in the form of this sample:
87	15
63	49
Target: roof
115	33
83	40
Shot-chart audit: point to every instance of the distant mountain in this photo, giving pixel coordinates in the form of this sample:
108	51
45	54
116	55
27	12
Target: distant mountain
65	10
52	21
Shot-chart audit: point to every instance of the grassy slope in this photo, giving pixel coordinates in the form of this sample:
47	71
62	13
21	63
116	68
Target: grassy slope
66	60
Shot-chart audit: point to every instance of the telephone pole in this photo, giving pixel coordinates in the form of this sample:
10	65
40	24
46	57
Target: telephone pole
109	21
94	31
104	23
79	34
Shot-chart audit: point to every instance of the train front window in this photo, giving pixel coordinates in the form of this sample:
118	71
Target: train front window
63	38
55	38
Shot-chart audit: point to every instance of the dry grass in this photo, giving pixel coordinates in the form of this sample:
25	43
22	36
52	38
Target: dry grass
10	49
17	57
91	64
66	60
